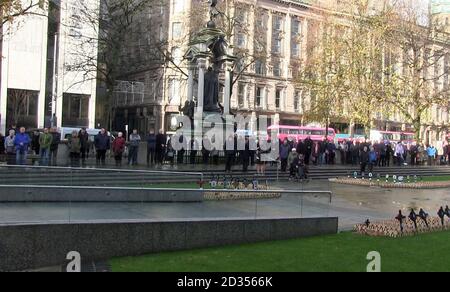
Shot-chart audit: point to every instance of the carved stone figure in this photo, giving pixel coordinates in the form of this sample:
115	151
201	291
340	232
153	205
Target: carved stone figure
211	91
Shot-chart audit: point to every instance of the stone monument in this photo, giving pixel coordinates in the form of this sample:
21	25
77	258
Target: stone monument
209	55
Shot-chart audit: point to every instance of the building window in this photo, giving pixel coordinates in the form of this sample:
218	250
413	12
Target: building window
295	49
277	23
276	48
277	70
296	28
75	110
260	68
258	97
22	108
278	98
174	92
178	6
241	92
240	66
176	30
241	40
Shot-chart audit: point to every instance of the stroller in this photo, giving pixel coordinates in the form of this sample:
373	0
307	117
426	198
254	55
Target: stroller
299	170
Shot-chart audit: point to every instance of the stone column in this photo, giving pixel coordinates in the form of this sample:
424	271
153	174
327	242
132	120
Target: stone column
254	122
190	93
201	84
228	82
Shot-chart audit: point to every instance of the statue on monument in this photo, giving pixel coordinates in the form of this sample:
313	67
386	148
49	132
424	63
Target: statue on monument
210	44
211	91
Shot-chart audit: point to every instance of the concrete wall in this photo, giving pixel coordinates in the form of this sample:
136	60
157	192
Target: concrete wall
33	246
95	194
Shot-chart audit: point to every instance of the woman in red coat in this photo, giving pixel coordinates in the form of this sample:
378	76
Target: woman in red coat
118	147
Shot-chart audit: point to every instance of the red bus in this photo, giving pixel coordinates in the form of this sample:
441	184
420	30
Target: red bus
300	133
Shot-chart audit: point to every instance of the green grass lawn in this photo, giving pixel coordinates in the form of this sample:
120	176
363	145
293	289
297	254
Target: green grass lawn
344	252
436	178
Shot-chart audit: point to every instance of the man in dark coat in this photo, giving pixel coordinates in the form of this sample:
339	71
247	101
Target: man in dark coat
245	154
84	141
151	148
308	149
161	140
56	139
102	144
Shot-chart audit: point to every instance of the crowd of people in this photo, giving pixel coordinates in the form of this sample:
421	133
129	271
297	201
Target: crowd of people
294	156
17	145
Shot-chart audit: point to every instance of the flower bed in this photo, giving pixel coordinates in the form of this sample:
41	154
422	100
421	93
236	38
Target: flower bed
391	228
374	183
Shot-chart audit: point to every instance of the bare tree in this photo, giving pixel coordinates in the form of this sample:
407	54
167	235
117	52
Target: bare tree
17	105
417	78
117	31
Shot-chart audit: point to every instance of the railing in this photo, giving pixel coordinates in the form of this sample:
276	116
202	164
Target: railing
65	176
127	197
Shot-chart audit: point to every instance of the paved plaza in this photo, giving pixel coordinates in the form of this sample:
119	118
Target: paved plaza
351	204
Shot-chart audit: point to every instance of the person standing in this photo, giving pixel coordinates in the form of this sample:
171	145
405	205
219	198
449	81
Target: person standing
74	149
170	154
441	214
135	140
35	145
447	211
424	216
102	144
448	154
151	148
308	149
389	154
2	147
301	148
161	141
284	154
56	139
230	153
84	140
180	152
10	149
400	219
45	142
413	217
364	159
413	151
372	158
431	153
193	152
399	152
206	147
383	151
261	160
22	143
245	154
293	157
118	147
331	148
